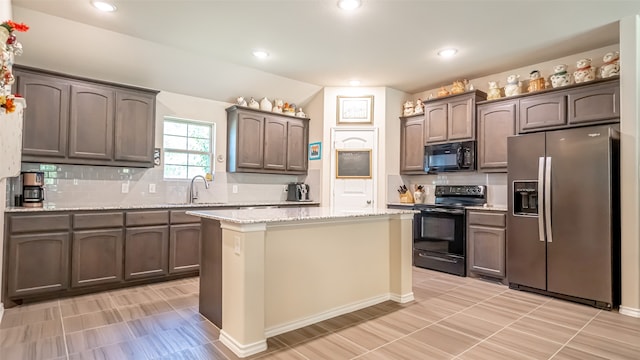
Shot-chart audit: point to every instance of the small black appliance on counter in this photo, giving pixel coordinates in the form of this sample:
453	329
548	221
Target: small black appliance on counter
298	192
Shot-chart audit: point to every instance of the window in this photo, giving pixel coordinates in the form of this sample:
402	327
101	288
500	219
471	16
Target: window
188	148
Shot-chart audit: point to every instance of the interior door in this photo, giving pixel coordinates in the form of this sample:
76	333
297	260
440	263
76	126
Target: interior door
526	250
351	193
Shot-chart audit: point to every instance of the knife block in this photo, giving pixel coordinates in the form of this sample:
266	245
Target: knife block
406	198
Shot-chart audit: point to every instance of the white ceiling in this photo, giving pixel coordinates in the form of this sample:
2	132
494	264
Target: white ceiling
312	43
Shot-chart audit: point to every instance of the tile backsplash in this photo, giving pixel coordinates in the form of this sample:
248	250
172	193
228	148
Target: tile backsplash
82	185
496	184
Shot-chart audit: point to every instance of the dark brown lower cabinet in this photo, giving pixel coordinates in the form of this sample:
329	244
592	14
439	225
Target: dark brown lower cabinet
38	263
96	257
146	252
184	248
486	242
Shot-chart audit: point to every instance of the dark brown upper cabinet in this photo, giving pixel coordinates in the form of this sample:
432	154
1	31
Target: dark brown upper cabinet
91	123
72	120
412	144
46	120
265	142
543	112
452	118
496	122
594	102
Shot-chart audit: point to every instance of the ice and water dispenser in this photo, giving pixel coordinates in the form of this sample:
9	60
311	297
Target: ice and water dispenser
525	198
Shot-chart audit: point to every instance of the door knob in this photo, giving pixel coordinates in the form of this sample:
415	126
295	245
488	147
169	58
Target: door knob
368	202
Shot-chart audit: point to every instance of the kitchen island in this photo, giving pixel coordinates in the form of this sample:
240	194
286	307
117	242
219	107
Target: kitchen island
268	271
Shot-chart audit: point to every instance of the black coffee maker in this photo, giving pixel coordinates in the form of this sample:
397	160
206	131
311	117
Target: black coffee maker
298	192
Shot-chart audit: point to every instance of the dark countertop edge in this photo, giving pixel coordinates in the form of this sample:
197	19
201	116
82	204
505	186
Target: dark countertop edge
158	206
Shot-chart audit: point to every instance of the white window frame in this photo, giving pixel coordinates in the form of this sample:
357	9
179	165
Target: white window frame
211	154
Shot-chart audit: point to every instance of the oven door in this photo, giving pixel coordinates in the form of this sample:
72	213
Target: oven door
439	240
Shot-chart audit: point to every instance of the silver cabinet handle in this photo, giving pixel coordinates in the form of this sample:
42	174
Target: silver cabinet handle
541	192
547	198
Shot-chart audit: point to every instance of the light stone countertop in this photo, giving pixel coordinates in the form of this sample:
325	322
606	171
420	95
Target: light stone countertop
46	208
244	216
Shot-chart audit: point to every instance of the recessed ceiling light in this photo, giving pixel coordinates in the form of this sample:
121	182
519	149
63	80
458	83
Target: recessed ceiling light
104	6
354	82
260	54
445	53
349	4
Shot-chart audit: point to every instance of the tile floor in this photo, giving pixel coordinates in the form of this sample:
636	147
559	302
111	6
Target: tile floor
451	318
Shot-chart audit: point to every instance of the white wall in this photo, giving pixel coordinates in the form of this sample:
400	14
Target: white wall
630	160
5	13
379	121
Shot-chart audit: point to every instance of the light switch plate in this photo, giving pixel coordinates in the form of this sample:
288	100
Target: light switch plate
152	188
236	245
234	189
125	188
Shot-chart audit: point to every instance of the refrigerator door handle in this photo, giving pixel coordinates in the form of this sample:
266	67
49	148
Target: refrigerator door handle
547	198
540	191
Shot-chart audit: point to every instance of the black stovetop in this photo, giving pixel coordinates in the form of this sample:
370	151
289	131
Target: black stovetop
458	196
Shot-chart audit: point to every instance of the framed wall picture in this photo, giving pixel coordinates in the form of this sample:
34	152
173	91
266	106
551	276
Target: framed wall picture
353	164
315	151
355	110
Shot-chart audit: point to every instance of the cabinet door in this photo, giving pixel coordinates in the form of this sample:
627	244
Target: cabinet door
96	257
594	103
250	139
297	144
461	125
38	263
275	143
91	123
486	250
46	119
134	127
146	252
435	117
184	248
412	144
545	111
496	122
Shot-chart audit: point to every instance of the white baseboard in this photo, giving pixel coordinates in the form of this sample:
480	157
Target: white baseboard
340	310
402	299
624	310
242	350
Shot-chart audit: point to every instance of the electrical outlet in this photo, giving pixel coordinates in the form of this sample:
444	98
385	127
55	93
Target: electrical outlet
286	188
75	181
125	188
234	189
152	188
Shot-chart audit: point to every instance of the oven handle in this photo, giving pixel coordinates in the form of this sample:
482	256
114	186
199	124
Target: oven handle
437	258
444	211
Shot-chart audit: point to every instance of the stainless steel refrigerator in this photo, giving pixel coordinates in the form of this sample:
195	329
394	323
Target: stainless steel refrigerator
563	225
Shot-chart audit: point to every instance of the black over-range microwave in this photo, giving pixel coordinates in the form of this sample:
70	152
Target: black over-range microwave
456	156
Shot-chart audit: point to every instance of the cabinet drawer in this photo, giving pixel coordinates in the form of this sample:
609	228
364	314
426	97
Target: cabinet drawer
140	218
33	223
497	219
180	217
99	220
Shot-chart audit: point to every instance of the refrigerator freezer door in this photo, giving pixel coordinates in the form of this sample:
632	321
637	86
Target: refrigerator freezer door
579	258
526	262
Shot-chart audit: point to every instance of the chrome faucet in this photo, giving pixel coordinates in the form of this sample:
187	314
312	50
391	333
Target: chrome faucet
193	195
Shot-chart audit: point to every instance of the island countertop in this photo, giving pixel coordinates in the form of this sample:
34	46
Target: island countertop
254	216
